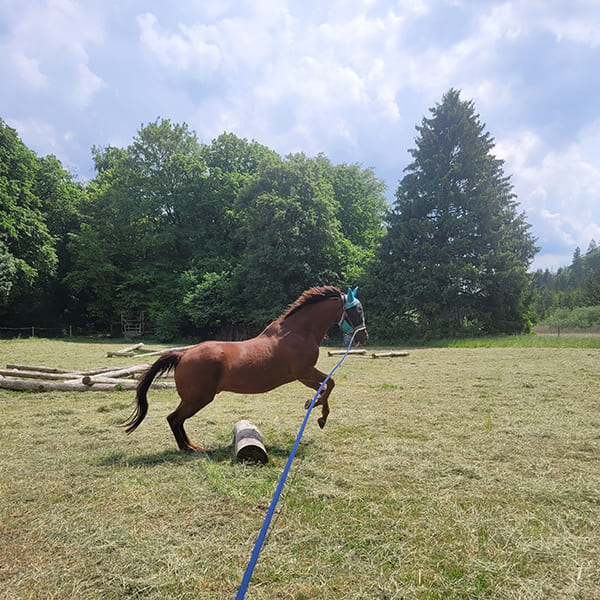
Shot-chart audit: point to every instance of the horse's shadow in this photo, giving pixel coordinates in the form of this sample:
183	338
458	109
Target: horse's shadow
223	453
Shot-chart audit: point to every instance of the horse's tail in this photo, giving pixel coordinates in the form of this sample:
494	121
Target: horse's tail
162	365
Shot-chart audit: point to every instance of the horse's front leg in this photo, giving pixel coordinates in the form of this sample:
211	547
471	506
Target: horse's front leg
313	380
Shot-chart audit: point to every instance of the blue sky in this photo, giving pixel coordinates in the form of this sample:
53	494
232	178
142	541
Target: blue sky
350	79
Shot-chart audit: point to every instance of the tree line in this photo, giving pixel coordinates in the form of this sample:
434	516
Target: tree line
571	296
217	239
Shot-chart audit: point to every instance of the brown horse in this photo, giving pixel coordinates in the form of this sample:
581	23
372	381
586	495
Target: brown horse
285	351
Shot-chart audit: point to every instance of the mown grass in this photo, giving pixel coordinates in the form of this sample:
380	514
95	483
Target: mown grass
451	473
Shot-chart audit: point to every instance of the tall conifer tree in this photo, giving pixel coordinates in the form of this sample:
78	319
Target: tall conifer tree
456	254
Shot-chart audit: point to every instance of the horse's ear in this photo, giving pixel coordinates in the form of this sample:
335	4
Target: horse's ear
354	292
350	296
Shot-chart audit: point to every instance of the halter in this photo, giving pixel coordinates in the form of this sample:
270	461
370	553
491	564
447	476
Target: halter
353	318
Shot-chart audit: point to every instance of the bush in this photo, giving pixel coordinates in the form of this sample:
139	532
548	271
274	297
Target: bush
582	317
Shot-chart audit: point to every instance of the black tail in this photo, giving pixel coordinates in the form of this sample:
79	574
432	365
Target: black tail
162	365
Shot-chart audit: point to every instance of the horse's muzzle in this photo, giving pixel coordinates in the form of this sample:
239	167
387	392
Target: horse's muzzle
361	336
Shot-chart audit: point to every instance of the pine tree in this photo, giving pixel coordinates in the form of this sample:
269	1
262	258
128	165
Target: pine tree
455	258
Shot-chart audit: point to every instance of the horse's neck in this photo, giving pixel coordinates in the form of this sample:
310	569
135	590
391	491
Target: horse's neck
315	319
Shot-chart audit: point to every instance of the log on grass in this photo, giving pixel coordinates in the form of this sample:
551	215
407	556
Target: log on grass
129	351
96	371
42	386
389	354
333	352
18	374
163	352
40	369
249	443
125	385
129	384
123	372
73	386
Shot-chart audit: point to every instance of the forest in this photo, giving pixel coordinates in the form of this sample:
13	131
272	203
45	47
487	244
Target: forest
217	239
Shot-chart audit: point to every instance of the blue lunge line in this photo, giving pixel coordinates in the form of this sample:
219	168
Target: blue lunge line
265	526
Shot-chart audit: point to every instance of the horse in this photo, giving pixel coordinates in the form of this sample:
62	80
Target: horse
286	350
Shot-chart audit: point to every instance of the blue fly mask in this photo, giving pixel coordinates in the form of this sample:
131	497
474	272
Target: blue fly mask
353	317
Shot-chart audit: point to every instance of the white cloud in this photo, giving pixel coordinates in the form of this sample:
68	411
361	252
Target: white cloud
49	39
559	189
86	85
350	78
28	69
189	49
583	31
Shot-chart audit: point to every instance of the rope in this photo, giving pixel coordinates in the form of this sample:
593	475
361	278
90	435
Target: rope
265	526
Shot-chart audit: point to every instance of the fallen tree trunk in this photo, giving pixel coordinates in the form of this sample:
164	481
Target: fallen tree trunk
75	386
38	375
59	370
389	354
129	351
41	369
132	383
248	443
42	386
163	352
122	372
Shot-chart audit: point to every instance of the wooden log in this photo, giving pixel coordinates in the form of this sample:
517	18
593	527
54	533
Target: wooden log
18	374
41	369
42	386
249	443
73	386
122	385
129	384
163	352
129	351
59	370
123	372
389	354
97	371
333	352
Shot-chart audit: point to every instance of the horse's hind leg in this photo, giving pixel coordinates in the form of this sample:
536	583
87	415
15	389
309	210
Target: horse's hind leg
187	408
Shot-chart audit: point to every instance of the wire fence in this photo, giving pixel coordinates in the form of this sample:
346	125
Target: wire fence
35	331
558	331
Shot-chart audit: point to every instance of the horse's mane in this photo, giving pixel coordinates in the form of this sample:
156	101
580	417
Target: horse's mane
310	296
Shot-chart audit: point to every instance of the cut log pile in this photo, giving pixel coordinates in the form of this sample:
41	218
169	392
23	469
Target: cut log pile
55	379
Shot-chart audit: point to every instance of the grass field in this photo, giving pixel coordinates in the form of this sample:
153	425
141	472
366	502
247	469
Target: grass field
450	473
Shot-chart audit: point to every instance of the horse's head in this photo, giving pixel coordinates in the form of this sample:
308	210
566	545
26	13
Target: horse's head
353	317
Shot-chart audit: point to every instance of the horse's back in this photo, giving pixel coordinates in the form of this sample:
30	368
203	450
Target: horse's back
251	366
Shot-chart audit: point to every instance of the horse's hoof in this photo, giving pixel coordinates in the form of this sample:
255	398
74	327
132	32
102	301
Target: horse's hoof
192	448
321	421
307	404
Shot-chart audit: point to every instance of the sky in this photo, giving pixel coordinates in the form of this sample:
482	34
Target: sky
347	79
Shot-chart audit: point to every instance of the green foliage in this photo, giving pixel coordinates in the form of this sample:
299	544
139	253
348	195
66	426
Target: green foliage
455	258
217	239
221	236
287	217
581	317
575	286
38	208
8	269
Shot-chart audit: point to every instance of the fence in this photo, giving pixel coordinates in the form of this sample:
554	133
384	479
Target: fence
34	331
558	331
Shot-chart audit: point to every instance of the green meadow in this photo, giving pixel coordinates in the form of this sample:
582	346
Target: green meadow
453	472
